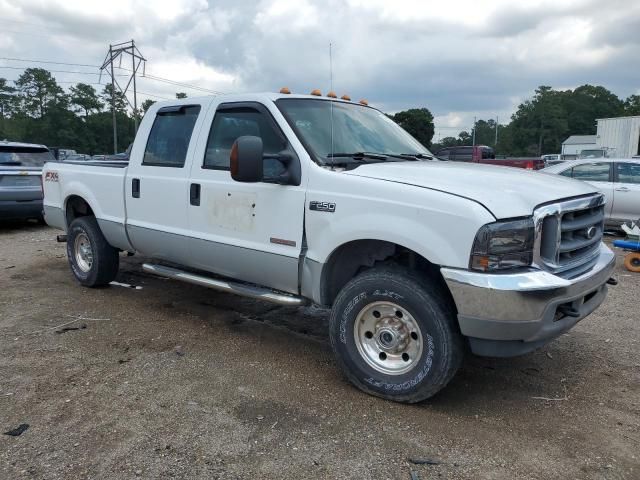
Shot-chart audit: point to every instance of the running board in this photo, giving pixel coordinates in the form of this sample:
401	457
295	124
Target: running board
225	286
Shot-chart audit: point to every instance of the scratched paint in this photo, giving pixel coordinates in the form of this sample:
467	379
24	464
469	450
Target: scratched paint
232	211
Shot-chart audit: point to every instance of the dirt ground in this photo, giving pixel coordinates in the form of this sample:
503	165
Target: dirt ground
178	381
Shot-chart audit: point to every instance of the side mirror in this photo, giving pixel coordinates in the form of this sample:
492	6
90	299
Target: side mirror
246	159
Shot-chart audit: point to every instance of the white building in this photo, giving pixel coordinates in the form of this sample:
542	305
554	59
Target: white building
576	143
620	137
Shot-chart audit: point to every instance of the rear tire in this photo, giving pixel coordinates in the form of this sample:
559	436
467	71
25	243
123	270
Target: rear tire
395	335
92	260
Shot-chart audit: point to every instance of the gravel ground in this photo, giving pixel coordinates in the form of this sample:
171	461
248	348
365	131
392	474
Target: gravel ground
177	381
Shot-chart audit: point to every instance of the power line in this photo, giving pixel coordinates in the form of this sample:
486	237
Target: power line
59	71
174	83
48	61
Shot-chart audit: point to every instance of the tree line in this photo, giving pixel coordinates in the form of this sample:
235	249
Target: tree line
37	110
543	122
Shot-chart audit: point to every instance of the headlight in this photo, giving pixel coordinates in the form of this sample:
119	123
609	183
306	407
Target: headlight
503	245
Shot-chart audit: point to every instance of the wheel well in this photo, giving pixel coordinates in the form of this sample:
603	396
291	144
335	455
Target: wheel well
350	259
77	207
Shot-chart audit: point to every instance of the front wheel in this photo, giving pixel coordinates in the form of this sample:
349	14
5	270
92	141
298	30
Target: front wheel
92	260
394	335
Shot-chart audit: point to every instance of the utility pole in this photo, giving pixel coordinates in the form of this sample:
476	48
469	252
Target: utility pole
117	51
496	142
473	141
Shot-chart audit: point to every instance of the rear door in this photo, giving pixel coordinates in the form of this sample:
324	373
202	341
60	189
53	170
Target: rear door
598	174
157	183
626	188
247	231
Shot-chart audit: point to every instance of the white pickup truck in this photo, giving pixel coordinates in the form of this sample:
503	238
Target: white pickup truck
295	199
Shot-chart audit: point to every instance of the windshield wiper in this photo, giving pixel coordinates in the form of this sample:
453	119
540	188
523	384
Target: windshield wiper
421	156
359	156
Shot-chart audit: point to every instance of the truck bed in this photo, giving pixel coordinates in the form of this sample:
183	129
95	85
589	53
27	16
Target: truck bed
100	184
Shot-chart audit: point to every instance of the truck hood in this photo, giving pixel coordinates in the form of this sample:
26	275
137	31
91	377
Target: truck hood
506	192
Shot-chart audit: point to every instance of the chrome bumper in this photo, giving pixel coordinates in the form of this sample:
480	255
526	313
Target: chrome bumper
511	314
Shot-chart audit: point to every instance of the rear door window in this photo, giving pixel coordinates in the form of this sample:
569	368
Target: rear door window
629	173
170	135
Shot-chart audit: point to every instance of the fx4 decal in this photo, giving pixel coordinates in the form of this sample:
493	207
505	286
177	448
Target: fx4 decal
51	177
322	206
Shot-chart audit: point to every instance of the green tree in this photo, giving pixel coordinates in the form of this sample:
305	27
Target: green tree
85	98
40	92
119	99
632	105
465	138
147	104
418	122
586	104
181	95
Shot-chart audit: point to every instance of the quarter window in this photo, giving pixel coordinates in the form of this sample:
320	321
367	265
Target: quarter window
629	172
170	136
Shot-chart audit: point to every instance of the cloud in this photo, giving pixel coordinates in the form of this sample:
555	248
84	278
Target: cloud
460	58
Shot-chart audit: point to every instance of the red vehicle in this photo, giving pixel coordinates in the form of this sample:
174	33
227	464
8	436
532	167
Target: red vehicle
484	154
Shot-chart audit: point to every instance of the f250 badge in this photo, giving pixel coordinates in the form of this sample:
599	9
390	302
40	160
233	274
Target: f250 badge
322	206
51	177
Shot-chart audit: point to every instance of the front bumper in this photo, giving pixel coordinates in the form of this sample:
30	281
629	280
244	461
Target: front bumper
511	314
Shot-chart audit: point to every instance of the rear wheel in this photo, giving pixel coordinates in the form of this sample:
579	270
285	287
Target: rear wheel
93	261
395	336
632	262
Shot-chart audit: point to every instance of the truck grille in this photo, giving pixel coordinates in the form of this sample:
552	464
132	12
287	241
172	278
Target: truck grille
568	235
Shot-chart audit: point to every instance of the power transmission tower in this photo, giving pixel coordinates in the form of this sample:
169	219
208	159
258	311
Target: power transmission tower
117	52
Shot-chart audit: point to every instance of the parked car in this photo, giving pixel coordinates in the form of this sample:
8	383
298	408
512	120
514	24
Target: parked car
21	179
264	196
593	153
618	179
484	154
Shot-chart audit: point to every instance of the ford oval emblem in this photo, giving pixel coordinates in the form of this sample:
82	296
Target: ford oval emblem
591	232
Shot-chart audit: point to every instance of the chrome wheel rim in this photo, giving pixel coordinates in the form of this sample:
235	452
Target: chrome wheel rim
83	252
388	338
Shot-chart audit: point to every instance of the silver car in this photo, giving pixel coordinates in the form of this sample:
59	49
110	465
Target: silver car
21	179
617	178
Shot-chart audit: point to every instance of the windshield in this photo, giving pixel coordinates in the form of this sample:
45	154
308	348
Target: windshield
356	128
25	157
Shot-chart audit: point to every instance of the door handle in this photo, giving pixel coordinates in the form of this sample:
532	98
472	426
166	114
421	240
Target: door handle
194	194
622	189
135	188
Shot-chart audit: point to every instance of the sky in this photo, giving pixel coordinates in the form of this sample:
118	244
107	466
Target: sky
459	58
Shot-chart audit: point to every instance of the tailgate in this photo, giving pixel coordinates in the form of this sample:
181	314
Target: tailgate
20	184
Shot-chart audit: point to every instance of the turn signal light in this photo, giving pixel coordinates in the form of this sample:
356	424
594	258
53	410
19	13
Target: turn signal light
285	90
316	92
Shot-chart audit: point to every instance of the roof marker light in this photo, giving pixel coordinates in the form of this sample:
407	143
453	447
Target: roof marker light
363	102
346	97
316	92
332	94
285	90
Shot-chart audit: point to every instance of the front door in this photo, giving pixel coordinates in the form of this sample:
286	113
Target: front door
247	231
157	183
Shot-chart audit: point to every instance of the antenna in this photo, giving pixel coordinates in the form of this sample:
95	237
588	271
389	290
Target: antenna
331	100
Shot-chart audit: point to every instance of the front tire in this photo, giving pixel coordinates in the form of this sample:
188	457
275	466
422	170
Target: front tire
92	260
395	336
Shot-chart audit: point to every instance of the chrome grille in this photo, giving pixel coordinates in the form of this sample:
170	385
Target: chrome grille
568	235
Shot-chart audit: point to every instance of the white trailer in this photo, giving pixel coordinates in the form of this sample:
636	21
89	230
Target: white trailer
620	137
